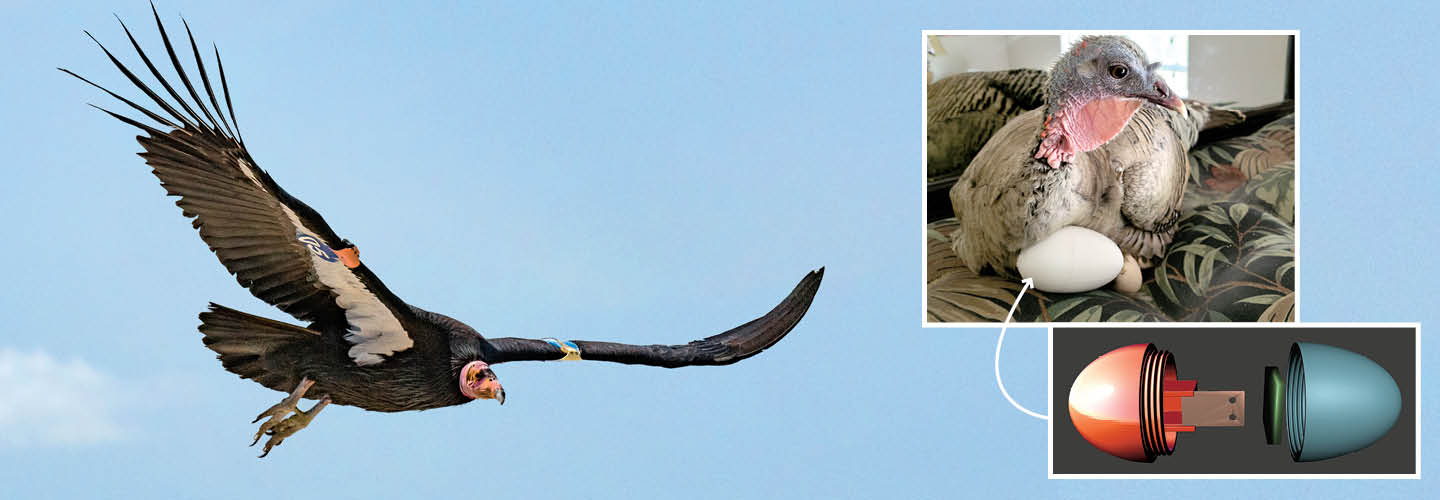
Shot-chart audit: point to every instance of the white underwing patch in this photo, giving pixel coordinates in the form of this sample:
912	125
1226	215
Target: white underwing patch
374	329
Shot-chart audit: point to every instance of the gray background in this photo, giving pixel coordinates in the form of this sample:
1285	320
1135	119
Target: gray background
1234	359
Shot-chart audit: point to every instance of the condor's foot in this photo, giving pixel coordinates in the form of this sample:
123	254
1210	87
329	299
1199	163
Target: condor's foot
281	423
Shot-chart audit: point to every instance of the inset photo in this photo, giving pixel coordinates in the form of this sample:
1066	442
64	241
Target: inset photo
1083	177
1284	401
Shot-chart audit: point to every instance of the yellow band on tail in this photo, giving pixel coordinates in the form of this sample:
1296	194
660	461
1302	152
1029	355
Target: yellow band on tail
572	351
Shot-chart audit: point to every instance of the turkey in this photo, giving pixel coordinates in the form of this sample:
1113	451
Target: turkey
1106	152
362	345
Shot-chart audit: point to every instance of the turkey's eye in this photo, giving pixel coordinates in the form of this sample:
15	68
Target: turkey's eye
1119	71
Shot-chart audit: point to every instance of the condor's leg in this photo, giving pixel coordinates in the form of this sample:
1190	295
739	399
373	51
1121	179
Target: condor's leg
281	423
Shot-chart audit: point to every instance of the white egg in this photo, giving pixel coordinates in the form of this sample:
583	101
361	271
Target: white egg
1073	259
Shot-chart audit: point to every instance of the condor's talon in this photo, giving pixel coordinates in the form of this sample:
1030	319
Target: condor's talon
277	414
291	425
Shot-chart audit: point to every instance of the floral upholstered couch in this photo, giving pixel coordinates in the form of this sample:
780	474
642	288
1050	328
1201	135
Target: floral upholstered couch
1232	259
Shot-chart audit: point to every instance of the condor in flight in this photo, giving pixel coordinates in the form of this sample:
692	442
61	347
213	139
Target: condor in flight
362	346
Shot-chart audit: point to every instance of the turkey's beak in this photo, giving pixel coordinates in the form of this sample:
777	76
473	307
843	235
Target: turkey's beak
1165	97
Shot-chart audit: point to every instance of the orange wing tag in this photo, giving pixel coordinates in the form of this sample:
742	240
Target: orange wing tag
349	256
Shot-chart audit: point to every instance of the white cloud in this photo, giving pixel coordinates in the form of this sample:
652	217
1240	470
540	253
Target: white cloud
48	402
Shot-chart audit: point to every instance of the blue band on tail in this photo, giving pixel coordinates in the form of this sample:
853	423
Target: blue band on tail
572	351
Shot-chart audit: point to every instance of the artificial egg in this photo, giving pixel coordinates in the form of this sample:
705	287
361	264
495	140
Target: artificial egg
1073	259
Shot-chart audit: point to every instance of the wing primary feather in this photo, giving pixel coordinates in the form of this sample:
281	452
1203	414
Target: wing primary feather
180	70
148	129
132	104
138	83
229	104
168	140
163	82
205	78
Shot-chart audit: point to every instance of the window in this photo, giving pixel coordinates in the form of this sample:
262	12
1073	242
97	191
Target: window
1171	51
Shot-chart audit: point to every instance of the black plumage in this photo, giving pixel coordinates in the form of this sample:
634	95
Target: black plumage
362	346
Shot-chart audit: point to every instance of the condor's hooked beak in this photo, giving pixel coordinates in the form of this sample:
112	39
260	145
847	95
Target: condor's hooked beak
491	389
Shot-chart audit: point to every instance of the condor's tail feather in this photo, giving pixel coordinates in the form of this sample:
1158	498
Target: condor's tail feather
261	349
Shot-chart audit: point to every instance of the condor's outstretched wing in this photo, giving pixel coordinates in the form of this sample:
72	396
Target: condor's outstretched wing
731	346
275	245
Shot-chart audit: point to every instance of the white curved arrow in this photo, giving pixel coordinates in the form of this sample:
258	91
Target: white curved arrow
1028	283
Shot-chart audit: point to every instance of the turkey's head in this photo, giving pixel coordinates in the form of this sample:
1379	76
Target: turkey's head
1095	87
478	381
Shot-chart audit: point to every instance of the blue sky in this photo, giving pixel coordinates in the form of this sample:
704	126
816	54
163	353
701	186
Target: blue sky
648	174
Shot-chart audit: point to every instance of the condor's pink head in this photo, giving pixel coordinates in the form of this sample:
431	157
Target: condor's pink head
477	381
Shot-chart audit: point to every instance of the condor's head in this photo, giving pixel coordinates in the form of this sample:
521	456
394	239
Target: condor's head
478	381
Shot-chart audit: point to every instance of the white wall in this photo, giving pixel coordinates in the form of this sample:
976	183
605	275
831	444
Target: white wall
965	53
1247	69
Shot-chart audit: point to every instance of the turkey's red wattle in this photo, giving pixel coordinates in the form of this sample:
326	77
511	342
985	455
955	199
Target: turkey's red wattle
1076	130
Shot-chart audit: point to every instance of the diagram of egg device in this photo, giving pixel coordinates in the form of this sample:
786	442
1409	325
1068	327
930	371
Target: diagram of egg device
1132	403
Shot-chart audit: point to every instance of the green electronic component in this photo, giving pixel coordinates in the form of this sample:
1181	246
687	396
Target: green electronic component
1273	404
